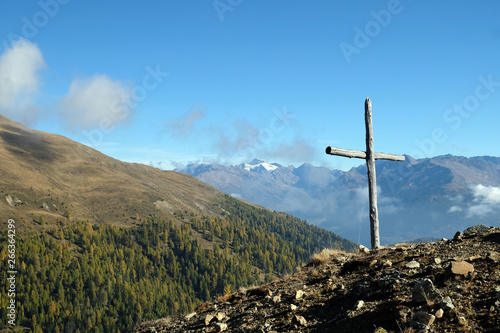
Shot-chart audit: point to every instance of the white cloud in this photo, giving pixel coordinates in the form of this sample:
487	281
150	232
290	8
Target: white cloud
454	209
241	138
247	140
298	151
486	194
97	101
20	66
479	210
184	126
486	199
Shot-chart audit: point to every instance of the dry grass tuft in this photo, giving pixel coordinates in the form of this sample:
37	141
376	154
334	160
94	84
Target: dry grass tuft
324	256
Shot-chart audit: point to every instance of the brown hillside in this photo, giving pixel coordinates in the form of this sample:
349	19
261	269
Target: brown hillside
446	286
46	174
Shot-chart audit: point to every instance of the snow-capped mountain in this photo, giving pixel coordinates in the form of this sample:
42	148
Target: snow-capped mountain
259	165
417	198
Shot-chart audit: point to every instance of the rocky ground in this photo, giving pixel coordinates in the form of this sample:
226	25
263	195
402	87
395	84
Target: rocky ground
446	286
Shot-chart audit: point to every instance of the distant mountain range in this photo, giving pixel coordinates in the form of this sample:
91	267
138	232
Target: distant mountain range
432	197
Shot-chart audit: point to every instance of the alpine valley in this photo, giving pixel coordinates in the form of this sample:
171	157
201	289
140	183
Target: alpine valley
420	199
93	244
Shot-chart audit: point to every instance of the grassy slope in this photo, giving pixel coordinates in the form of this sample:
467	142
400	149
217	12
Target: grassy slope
40	168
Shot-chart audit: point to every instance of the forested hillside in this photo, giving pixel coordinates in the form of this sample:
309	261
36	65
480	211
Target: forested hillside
83	277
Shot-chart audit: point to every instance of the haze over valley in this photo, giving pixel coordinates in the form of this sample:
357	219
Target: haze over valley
418	199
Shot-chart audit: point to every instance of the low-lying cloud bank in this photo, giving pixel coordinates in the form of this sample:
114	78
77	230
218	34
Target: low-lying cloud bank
485	200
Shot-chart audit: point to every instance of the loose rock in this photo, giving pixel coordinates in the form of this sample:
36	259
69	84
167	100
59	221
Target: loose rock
220	316
424	291
447	303
413	264
299	320
220	327
208	319
418	325
403	312
359	304
191	315
387	263
493	256
380	330
424	318
461	268
363	249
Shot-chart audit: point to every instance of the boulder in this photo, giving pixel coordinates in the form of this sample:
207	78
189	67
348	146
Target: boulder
477	229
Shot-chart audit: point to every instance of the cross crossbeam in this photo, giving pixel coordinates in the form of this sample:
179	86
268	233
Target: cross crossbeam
370	156
361	154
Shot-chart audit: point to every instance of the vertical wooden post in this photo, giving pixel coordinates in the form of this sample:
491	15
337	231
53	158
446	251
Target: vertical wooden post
372	176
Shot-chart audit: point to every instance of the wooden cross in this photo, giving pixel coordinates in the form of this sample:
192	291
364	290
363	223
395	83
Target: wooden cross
370	156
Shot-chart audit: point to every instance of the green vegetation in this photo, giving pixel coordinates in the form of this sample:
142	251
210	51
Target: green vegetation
98	278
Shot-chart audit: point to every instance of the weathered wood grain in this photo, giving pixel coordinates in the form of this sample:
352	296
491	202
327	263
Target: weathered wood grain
361	154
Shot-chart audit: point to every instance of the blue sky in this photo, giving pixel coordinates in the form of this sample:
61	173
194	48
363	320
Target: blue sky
168	82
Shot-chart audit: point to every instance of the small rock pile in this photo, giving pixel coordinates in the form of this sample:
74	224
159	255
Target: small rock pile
446	286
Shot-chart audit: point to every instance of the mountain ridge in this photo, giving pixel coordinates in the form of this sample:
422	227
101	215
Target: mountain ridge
417	198
41	169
